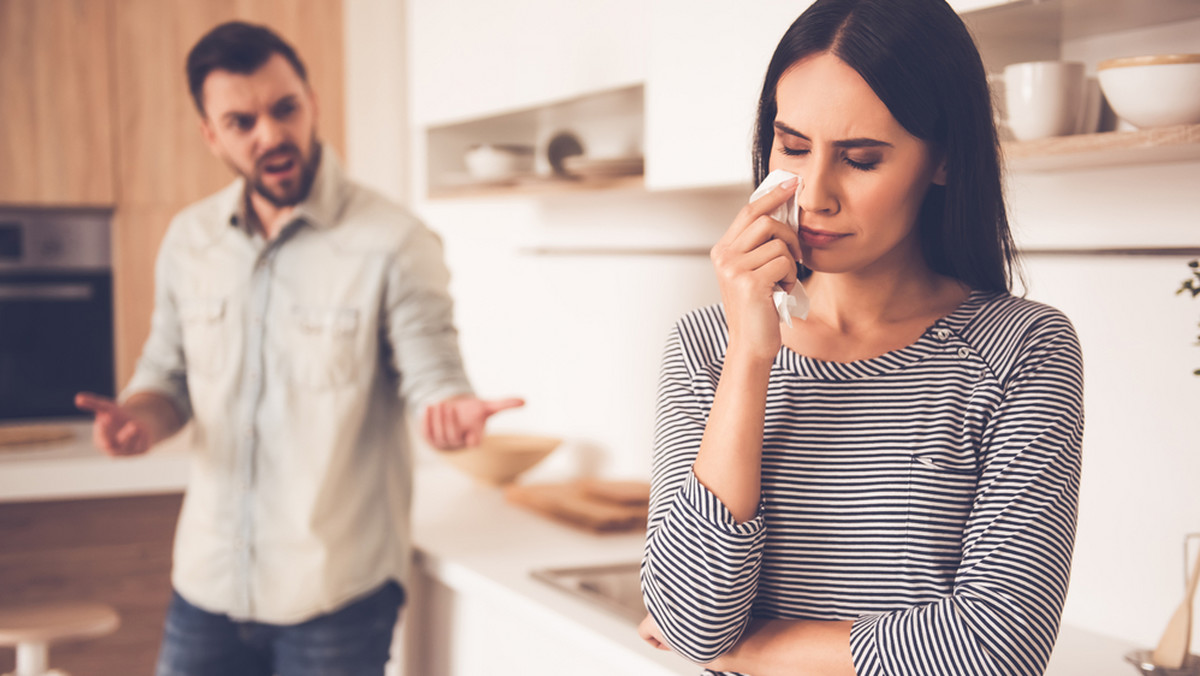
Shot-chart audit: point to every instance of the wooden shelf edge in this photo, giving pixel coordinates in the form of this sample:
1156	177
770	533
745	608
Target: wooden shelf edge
541	187
1179	143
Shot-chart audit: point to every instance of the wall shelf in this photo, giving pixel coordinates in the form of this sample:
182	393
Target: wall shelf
1088	31
606	125
537	186
1107	149
1026	30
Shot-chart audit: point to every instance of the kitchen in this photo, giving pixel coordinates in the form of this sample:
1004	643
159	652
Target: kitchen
543	281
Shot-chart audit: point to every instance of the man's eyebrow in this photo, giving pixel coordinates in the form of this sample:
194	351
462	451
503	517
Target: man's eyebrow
234	115
844	143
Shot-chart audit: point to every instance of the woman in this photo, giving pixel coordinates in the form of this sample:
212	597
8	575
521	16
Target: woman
890	485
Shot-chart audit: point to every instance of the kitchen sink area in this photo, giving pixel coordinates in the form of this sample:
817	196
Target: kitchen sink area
614	587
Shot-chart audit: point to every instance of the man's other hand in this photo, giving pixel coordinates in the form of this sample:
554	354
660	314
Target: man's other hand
459	421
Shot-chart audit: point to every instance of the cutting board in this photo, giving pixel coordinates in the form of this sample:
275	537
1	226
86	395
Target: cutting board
597	506
13	437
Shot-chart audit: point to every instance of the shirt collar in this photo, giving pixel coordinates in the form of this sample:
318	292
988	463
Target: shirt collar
320	209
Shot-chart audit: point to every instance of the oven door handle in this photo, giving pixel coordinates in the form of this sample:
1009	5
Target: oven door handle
50	292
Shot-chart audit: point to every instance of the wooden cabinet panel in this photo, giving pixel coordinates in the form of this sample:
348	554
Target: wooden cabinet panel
162	162
137	233
56	141
115	551
162	158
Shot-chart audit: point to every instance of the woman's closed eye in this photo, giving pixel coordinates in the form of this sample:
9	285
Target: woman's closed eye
861	163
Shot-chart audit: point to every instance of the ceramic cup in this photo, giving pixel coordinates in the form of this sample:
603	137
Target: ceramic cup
1044	98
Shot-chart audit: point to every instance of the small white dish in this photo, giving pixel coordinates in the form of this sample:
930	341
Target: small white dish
489	162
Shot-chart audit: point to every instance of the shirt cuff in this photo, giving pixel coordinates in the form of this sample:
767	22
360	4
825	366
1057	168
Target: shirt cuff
447	390
864	650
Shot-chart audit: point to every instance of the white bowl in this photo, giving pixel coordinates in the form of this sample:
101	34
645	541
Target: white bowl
1153	91
498	161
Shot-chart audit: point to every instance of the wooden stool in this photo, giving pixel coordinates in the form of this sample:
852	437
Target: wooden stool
31	629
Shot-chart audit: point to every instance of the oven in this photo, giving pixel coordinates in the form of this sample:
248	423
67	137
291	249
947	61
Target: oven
56	311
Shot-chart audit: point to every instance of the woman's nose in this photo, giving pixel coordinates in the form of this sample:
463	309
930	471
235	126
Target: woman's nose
818	193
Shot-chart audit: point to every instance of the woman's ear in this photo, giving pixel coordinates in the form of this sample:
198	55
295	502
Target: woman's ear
939	174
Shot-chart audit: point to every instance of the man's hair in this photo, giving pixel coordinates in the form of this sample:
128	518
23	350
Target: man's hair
238	47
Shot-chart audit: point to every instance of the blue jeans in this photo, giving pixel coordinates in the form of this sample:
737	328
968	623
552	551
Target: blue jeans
352	641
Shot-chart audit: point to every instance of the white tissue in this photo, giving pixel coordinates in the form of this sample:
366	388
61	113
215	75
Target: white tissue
794	304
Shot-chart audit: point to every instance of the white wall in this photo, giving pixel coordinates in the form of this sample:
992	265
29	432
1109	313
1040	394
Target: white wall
1139	494
579	335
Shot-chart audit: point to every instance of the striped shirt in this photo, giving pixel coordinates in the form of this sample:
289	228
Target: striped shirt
928	494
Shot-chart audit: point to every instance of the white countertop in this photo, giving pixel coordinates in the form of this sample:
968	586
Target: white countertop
74	469
473	541
469	538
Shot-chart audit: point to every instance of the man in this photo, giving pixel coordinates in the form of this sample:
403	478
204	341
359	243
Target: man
296	315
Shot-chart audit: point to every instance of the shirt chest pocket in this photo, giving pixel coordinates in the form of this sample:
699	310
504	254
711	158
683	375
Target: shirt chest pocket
322	346
941	494
203	324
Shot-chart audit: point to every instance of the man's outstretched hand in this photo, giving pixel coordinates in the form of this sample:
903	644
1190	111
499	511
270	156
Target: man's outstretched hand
114	430
459	421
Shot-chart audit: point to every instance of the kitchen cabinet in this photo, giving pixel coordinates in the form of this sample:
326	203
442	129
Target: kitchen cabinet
162	162
704	68
468	633
474	606
96	111
473	59
56	141
705	73
115	551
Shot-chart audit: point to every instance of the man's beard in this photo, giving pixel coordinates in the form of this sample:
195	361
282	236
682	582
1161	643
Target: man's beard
289	194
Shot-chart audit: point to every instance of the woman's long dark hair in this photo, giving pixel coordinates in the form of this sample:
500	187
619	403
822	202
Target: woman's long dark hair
921	62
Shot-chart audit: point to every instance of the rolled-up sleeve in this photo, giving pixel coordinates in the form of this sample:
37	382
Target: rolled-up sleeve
1002	617
419	320
700	566
162	367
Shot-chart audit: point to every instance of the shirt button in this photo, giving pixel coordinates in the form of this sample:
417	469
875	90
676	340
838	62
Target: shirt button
964	352
942	334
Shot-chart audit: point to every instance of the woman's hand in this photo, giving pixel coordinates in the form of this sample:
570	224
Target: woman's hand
756	253
651	634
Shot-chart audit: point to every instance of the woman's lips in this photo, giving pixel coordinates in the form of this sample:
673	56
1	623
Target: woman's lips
819	238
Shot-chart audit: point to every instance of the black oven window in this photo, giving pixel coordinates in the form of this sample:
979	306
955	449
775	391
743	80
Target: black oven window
56	338
11	246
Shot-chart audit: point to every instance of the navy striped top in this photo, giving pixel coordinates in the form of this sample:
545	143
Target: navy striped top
928	494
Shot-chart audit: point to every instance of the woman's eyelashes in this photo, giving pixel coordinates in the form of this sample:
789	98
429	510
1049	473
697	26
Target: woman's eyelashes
859	163
864	164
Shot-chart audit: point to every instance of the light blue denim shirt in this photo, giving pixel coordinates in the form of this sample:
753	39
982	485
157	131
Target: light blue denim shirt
295	359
